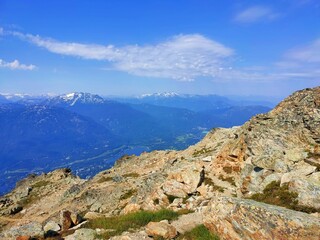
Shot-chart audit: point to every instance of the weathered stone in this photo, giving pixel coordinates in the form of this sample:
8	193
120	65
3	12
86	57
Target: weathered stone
161	229
23	238
51	226
65	220
31	229
187	222
130	208
181	183
308	192
75	218
299	173
82	234
207	159
238	219
92	215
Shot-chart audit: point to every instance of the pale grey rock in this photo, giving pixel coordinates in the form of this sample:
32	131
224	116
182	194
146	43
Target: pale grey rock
51	226
30	229
238	219
308	192
82	234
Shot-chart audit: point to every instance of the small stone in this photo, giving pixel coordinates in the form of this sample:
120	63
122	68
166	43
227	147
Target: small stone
51	226
76	218
23	238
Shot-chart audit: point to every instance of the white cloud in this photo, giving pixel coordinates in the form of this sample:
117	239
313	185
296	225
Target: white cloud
182	57
16	65
309	53
255	14
301	62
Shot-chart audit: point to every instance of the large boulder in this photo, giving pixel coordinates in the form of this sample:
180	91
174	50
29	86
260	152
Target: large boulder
161	229
239	219
308	192
32	229
182	183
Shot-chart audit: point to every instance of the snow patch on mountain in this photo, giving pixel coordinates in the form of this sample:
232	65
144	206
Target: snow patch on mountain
78	97
164	94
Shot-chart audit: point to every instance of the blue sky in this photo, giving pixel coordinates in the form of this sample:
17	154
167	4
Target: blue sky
129	47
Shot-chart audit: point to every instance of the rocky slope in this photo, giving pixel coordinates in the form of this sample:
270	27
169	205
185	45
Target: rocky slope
282	146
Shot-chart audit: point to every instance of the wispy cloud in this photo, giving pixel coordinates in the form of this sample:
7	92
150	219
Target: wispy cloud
255	14
182	57
309	53
16	65
302	62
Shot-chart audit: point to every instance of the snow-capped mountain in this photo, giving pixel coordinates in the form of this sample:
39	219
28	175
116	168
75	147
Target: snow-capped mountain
159	95
76	97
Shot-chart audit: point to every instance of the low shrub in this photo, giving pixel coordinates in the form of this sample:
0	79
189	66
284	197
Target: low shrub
198	233
135	220
281	196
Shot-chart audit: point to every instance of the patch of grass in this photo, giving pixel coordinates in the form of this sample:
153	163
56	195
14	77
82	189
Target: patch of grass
133	175
313	155
215	187
171	198
128	194
281	196
198	233
228	179
41	183
184	211
104	179
227	169
200	152
130	221
33	195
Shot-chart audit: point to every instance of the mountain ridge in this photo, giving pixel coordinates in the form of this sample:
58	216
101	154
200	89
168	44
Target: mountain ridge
280	149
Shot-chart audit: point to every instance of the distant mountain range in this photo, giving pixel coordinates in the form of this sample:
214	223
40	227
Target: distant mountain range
88	132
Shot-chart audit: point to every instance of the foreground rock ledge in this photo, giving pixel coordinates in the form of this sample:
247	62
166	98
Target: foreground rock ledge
239	219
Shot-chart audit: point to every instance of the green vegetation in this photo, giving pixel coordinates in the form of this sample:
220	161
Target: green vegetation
215	187
171	198
33	195
200	152
41	183
228	179
135	220
104	179
281	196
313	155
227	169
198	233
128	194
133	175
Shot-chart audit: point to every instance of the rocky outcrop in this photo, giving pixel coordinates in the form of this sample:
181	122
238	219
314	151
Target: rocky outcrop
282	145
239	219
